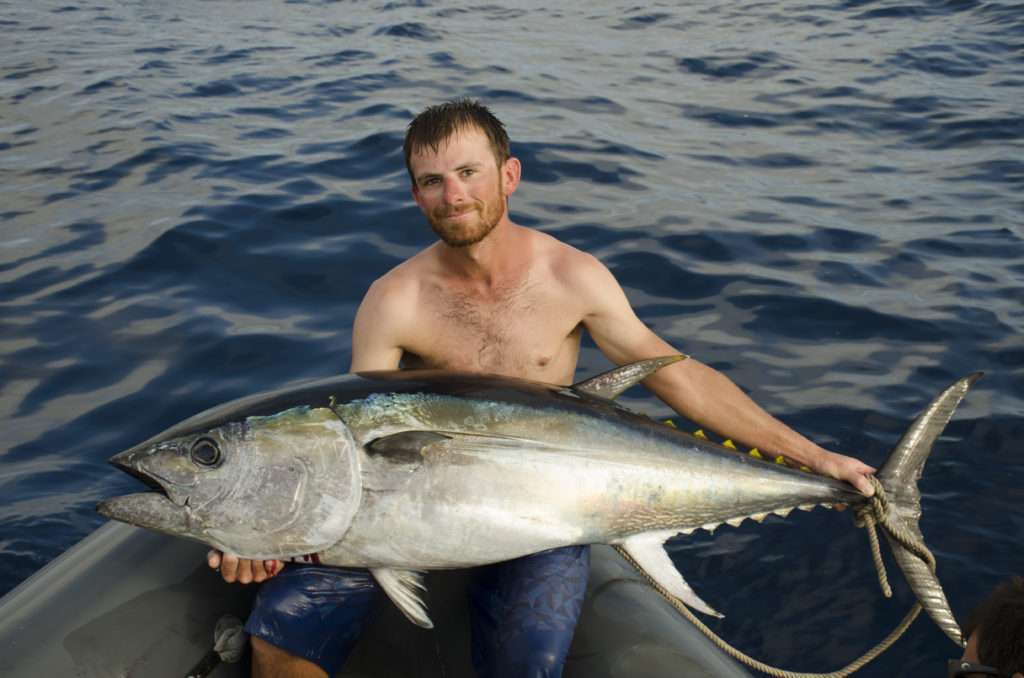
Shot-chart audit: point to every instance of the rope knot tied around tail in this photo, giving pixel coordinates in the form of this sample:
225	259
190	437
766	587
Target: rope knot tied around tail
877	512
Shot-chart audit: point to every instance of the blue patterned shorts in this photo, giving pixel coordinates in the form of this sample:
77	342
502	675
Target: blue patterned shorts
523	612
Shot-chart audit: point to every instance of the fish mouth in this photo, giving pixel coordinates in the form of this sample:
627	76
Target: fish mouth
122	463
132	462
155	509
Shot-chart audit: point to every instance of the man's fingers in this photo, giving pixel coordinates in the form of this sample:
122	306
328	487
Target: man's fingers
242	570
853	471
229	567
263	570
245	571
259	573
862	483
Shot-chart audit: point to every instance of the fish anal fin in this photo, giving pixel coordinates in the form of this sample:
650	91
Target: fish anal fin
609	385
648	551
403	588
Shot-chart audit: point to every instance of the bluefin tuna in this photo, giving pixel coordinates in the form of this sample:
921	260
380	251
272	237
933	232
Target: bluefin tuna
407	471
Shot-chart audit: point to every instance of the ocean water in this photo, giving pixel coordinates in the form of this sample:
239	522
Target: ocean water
824	200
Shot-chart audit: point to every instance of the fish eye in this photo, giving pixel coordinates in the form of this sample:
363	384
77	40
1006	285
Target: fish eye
205	452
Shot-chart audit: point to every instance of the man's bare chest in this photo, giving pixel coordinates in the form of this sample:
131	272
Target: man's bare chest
528	332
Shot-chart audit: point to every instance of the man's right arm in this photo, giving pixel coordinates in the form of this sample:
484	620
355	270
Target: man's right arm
376	345
377	330
698	392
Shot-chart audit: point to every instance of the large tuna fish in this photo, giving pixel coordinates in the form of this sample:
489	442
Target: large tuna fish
407	471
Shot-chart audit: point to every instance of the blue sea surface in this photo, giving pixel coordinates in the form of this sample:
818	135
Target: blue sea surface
823	200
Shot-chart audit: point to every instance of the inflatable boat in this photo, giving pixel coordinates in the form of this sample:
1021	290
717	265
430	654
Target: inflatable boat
127	602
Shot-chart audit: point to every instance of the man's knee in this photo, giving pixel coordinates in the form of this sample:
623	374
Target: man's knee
308	619
270	661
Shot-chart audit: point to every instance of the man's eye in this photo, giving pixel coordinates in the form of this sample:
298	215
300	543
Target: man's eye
468	172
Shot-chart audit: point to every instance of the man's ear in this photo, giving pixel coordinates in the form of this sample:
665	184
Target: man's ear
511	171
416	194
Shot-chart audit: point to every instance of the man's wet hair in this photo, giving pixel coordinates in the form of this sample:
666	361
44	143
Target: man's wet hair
436	124
999	621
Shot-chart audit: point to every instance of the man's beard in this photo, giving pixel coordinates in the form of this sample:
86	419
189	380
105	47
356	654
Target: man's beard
488	214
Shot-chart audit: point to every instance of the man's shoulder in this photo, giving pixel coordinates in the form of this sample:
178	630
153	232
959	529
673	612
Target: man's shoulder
389	307
401	283
572	267
562	257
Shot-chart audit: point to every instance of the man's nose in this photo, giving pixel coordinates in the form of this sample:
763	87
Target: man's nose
453	192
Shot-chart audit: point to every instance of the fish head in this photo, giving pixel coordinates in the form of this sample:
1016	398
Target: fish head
275	486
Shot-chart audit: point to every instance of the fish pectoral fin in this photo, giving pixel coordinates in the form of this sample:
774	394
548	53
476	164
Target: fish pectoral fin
403	588
405	447
649	553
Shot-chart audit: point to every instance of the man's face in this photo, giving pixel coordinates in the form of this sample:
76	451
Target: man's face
460	188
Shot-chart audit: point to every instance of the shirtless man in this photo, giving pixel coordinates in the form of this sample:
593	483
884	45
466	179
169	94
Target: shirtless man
491	296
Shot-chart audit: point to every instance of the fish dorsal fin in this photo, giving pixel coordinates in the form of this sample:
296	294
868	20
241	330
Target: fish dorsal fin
403	588
648	551
609	385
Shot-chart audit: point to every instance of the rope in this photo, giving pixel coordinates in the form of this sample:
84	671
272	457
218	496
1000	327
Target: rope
874	512
877	511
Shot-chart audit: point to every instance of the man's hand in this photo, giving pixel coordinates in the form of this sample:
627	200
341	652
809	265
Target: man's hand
244	571
841	467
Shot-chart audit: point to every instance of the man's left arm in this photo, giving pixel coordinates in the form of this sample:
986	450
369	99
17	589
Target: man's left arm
696	391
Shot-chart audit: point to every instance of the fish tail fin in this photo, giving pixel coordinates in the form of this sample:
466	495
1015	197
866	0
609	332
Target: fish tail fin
899	478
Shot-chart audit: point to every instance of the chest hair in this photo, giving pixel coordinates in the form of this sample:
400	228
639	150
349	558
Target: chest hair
488	332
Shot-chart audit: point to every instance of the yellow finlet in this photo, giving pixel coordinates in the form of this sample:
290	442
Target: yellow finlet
755	453
670	423
699	433
780	460
730	444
